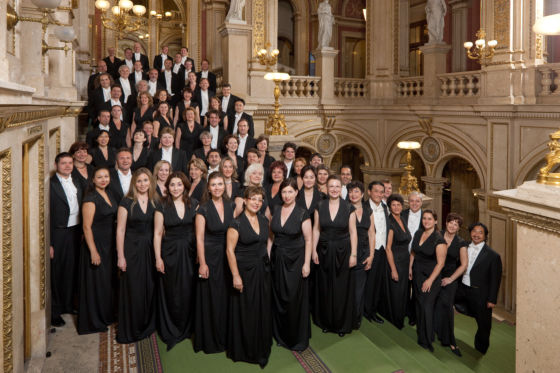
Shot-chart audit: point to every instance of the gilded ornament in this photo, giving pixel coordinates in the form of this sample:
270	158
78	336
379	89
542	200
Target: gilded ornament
42	241
501	22
6	160
258	25
552	160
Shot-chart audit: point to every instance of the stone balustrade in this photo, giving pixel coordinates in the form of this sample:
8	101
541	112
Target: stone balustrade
300	87
351	88
461	84
549	79
410	87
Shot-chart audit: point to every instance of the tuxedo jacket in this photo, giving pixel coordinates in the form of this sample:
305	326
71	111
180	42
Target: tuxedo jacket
91	83
486	274
244	115
211	80
250	143
230	106
115	185
144	60
159	84
113	67
125	113
404	217
198	97
58	206
158	62
386	211
133	81
96	102
192	61
221	135
178	160
175	84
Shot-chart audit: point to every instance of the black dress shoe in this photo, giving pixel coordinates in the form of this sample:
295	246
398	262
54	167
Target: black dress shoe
411	322
58	322
456	351
325	330
341	334
377	319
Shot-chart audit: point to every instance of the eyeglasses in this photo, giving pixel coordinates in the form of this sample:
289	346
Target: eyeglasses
256	199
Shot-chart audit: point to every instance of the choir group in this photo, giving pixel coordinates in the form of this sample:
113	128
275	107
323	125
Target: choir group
185	225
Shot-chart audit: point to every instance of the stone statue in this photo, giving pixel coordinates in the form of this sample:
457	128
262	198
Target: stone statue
326	22
235	14
435	14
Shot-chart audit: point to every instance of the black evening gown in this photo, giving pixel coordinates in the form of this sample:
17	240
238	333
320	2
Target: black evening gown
444	315
190	140
249	336
360	275
96	294
76	175
334	286
212	294
395	309
142	160
140	119
425	261
98	160
236	190
290	299
175	288
137	312
273	202
199	189
118	136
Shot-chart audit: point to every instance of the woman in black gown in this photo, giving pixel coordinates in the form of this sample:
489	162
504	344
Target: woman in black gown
249	336
153	140
187	137
427	259
118	128
398	260
366	245
278	172
456	263
135	222
99	208
103	155
82	171
335	244
143	112
231	143
162	169
174	257
185	103
162	117
140	150
290	249
197	175
212	289
254	176
233	187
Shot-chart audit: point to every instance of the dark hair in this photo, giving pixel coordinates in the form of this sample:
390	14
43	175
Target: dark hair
374	183
90	186
333	177
104	110
186	89
78	145
206	196
431	212
281	165
355	184
316	155
479	224
395	197
345	166
239	99
289	145
229	137
322	167
254	151
308	168
210	112
226	85
59	156
123	150
213	151
253	190
145	136
101	132
290	182
262	138
168	200
454	216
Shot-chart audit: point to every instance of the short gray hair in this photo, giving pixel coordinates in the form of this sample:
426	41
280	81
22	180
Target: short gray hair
417	194
252	168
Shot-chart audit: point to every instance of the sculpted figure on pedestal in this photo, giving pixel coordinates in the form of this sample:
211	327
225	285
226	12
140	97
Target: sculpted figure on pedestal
235	13
326	22
435	14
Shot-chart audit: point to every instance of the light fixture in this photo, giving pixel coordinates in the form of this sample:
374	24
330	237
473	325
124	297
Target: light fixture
483	51
409	183
276	123
549	25
365	14
120	19
267	56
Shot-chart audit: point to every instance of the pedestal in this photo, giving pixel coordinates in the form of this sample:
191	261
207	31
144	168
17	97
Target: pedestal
535	209
236	47
324	62
435	60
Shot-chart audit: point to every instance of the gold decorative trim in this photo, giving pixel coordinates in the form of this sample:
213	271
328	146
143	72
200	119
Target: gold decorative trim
42	241
7	305
539	222
56	132
30	114
502	22
258	26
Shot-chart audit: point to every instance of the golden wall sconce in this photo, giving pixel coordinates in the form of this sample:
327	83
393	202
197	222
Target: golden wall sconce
276	123
119	18
552	160
409	183
268	57
483	51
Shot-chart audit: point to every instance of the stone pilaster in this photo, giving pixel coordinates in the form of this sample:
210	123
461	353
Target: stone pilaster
215	15
404	34
434	188
324	62
435	58
460	10
4	65
236	51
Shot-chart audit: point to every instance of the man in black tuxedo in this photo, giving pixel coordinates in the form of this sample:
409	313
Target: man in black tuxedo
117	100
217	132
205	73
127	61
288	155
477	294
121	175
246	141
128	89
113	63
179	70
203	95
239	113
154	82
388	190
99	96
412	217
168	79
159	60
65	201
138	56
185	57
375	283
138	74
346	178
168	152
93	81
103	123
228	100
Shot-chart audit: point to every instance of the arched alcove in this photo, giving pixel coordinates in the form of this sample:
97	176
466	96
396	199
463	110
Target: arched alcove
304	152
352	156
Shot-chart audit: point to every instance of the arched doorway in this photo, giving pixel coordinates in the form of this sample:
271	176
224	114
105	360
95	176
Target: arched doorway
352	156
458	193
286	40
304	152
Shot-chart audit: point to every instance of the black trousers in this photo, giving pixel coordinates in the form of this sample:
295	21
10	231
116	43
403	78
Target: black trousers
411	303
66	244
473	303
375	284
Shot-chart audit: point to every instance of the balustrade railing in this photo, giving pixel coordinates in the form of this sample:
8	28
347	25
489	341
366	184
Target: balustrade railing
300	87
410	87
351	88
549	79
462	84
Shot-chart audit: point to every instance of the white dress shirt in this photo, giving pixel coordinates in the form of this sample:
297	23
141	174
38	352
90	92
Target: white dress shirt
380	222
105	128
152	88
168	75
241	147
136	56
130	64
214	131
163	59
184	59
106	94
237	118
413	224
289	167
204	74
212	169
176	68
204	103
225	103
166	154
71	193
124	179
127	91
473	252
137	76
343	192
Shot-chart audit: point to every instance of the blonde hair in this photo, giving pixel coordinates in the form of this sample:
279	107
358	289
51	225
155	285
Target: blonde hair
150	99
158	166
221	168
198	163
133	193
249	171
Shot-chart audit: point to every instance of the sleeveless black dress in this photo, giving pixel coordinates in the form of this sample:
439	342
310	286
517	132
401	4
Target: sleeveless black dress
175	288
334	287
249	323
360	275
290	312
96	293
189	140
212	294
137	312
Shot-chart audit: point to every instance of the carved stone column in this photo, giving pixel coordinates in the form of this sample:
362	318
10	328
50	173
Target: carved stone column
435	56
215	15
236	47
460	10
324	62
434	188
404	68
30	48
